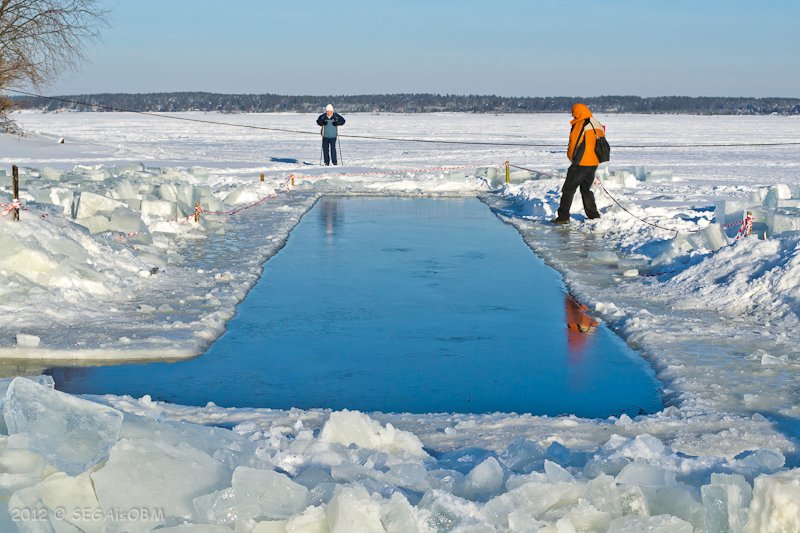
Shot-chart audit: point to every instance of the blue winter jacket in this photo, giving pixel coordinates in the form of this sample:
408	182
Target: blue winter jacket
329	125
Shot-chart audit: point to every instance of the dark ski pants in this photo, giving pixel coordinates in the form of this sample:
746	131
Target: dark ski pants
329	144
578	177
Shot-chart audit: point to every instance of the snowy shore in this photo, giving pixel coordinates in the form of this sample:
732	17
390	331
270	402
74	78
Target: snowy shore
108	264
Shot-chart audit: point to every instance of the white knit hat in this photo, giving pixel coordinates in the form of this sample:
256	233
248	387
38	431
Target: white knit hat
329	107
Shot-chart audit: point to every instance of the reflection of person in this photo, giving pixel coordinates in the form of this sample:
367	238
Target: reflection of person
582	137
330	214
330	123
579	325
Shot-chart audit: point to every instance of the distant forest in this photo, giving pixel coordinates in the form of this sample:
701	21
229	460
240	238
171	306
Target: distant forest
411	103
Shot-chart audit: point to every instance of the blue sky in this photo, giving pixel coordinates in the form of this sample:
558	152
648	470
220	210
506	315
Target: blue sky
503	47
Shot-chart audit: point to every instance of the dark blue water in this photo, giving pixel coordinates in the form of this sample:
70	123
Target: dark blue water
390	304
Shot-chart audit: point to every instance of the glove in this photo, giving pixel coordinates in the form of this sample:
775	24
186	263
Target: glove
335	123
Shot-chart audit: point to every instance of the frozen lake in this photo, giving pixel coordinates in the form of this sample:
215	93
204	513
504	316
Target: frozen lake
719	327
383	304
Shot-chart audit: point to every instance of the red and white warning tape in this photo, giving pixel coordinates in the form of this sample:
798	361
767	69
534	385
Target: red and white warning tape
7	208
746	228
388	172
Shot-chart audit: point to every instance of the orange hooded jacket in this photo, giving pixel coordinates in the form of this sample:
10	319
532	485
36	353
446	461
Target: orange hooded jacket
582	139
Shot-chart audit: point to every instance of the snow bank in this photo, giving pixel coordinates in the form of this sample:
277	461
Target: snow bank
346	471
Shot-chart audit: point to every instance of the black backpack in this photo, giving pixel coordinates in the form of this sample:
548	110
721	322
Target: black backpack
601	147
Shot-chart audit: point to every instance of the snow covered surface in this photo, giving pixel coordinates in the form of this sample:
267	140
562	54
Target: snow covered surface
107	263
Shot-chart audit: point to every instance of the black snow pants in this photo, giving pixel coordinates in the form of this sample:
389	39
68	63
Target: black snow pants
578	177
328	143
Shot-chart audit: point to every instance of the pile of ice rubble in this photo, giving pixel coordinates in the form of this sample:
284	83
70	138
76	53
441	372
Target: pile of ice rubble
775	211
90	243
133	200
144	208
71	464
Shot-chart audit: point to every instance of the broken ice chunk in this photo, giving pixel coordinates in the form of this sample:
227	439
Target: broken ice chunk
352	509
398	516
199	173
141	474
248	194
775	193
62	502
352	427
602	257
484	481
762	461
159	208
647	475
90	203
94	223
711	238
675	501
534	498
126	190
446	512
27	341
408	475
785	220
19	469
313	520
523	456
776	503
725	502
47	381
726	211
71	433
127	221
277	495
557	473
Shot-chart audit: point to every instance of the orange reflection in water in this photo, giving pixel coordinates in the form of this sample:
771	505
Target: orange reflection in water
579	327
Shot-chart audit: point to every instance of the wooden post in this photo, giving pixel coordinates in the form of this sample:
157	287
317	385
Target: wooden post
15	187
262	176
508	173
197	212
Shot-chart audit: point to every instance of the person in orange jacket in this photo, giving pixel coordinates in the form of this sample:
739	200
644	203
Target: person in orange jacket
582	138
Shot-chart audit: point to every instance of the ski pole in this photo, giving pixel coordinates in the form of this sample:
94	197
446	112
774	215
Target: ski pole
322	144
339	142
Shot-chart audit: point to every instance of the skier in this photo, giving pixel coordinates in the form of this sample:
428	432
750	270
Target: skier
582	138
330	123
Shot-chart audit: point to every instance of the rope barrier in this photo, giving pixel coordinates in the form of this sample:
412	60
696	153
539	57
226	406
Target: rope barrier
550	174
631	214
381	138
